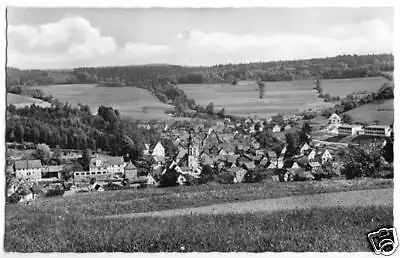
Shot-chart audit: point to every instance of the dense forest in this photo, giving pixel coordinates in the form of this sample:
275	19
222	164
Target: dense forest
343	66
77	128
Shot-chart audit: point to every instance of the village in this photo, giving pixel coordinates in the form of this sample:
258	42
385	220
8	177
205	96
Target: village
226	151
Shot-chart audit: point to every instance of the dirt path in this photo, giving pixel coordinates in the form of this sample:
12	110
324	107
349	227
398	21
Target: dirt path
375	197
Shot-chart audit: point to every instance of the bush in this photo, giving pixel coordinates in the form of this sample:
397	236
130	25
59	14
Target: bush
225	178
54	192
14	198
253	177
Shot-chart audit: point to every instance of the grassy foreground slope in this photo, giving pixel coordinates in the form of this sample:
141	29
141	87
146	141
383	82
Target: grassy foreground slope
335	229
69	223
132	102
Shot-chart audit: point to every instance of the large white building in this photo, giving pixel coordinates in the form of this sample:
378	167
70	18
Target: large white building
335	119
28	169
345	129
378	130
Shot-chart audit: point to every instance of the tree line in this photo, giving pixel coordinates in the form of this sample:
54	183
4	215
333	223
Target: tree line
76	128
342	66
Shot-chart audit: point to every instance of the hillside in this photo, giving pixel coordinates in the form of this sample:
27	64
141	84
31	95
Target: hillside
22	101
343	87
243	98
132	102
369	113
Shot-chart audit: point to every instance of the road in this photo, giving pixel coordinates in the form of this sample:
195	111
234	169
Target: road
375	197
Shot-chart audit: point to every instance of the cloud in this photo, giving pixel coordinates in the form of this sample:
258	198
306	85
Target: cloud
370	36
73	35
72	42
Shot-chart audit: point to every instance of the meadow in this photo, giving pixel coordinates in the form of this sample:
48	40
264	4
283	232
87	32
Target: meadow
343	87
22	101
369	113
243	99
135	103
71	223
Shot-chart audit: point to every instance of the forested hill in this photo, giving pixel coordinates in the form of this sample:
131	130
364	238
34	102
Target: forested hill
344	66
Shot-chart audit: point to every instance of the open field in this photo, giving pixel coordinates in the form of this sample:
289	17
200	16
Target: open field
55	228
132	102
382	112
343	87
22	101
243	98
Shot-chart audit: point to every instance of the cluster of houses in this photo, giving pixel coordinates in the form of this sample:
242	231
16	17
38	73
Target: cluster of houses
233	151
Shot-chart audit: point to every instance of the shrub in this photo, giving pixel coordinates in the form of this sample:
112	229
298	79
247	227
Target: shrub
225	178
253	177
54	192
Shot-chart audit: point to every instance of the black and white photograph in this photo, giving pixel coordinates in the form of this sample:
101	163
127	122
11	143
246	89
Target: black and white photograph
199	129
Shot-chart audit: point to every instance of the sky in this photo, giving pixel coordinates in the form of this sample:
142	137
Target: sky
55	38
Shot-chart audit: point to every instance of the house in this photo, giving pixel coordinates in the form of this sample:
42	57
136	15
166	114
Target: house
264	162
311	155
326	156
287	127
106	165
283	151
151	180
53	171
345	129
158	152
130	171
222	153
378	130
28	169
334	119
272	165
280	163
146	150
181	180
315	166
295	165
276	129
240	175
304	148
249	165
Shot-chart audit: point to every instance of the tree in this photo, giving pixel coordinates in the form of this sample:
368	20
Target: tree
19	133
306	128
293	142
57	155
85	160
318	86
221	113
43	152
346	118
210	108
69	170
261	87
387	151
362	161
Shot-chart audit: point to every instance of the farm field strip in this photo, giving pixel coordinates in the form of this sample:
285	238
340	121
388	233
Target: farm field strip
132	102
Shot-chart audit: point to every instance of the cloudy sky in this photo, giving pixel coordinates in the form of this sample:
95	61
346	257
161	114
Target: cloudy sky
66	38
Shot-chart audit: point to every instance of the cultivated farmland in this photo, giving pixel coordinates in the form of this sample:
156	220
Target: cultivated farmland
22	101
343	87
131	102
369	113
243	98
